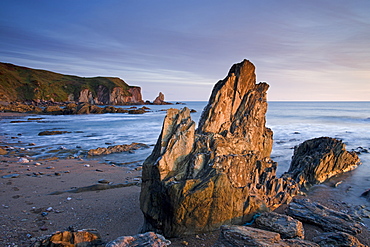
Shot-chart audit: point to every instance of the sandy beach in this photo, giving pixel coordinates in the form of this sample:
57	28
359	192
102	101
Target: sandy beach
39	197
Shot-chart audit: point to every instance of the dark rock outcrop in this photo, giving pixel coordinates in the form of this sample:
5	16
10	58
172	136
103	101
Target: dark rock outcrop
342	239
319	159
197	180
327	219
286	226
247	236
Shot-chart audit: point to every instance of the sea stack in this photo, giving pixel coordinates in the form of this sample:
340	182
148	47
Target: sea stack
197	180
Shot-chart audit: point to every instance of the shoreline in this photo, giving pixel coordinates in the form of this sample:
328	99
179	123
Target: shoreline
29	211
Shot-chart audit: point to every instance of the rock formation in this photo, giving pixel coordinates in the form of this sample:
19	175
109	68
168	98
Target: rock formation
319	159
159	100
197	180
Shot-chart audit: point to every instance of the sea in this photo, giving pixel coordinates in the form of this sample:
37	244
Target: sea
292	123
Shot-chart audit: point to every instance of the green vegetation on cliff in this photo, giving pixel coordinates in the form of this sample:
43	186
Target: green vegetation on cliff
24	84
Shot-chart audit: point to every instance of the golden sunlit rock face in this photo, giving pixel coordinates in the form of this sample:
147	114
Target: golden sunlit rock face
197	180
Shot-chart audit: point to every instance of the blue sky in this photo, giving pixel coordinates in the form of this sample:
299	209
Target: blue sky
305	50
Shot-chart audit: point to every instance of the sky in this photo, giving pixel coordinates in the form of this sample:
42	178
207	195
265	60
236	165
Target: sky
316	50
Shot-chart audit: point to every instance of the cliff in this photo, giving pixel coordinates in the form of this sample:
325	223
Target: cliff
25	84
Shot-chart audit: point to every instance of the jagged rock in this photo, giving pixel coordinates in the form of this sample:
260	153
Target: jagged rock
159	100
231	236
80	238
327	219
196	181
342	239
147	239
319	159
285	225
117	149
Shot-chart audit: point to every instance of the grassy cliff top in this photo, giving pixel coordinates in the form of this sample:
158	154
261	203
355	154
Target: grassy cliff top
24	84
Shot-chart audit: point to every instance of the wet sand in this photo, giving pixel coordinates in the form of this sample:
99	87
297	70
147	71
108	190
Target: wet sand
28	210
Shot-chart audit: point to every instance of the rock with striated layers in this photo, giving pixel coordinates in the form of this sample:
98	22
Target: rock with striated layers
197	180
342	239
247	236
319	159
327	219
285	225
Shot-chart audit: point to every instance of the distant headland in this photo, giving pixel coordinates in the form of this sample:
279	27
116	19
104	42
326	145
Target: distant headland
42	87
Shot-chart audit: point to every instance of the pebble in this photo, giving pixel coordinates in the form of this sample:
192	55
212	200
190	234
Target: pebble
44	213
86	165
50	167
23	160
37	164
69	198
57	174
103	181
99	170
14	175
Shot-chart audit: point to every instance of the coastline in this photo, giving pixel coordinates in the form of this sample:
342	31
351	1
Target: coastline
113	212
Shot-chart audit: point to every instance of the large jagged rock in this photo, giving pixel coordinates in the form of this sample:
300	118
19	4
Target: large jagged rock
319	159
197	180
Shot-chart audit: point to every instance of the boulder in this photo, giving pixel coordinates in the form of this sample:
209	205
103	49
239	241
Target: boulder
342	239
231	236
285	225
327	219
319	159
197	180
148	239
79	238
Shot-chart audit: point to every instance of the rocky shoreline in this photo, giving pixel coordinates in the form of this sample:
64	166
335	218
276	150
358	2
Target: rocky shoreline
33	210
211	186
